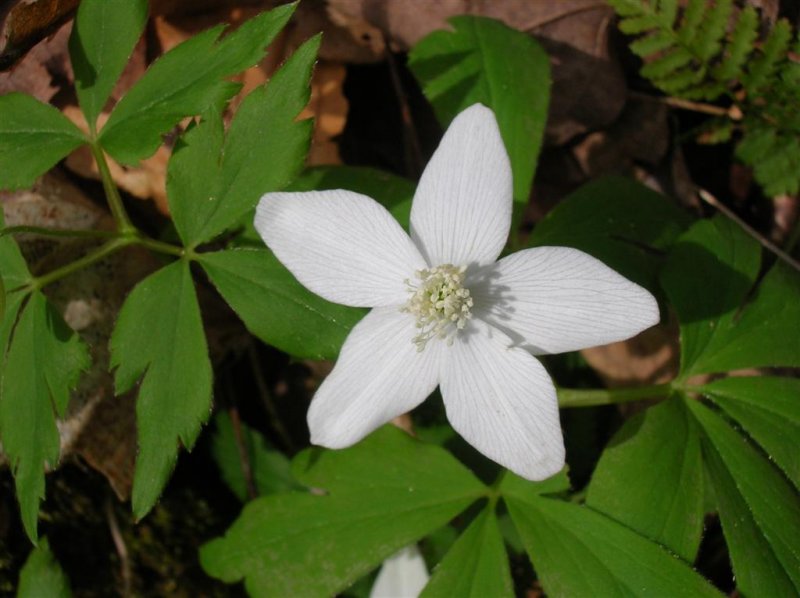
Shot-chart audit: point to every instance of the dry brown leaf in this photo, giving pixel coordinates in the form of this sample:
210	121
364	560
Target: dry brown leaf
640	134
24	23
43	70
328	106
649	358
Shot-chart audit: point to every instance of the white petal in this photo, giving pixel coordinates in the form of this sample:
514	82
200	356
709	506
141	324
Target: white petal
379	375
556	299
502	401
403	575
341	245
461	212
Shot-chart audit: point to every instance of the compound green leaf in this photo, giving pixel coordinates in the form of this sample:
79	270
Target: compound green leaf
650	477
370	500
620	222
769	410
277	308
762	335
482	60
271	469
476	565
577	551
186	81
103	36
212	183
159	339
14	275
708	278
33	137
43	362
42	576
391	191
758	508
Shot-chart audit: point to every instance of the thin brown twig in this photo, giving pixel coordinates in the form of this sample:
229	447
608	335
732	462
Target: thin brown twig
766	243
121	548
733	112
411	147
266	399
244	457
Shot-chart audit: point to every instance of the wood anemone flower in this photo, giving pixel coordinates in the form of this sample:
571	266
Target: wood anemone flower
444	311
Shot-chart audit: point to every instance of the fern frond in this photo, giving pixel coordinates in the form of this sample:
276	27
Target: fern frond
640	23
709	39
668	9
666	64
756	143
709	50
653	43
692	17
780	169
774	49
741	44
683	82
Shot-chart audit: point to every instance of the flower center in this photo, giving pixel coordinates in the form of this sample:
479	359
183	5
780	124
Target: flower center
440	303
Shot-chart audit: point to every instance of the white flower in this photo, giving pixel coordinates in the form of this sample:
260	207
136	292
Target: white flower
444	311
403	575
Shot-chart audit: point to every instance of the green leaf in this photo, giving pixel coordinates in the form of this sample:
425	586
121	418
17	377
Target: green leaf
620	222
44	361
577	551
650	477
758	508
708	278
769	410
483	60
277	308
186	81
476	565
159	339
393	192
102	40
33	137
42	576
372	499
212	184
14	275
271	469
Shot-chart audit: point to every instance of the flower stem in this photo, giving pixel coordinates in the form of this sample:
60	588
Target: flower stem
112	193
573	397
112	246
161	247
98	254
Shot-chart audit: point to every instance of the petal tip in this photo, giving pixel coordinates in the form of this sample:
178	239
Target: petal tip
544	468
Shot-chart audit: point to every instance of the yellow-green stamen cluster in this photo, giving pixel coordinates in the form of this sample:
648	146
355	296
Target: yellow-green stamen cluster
440	302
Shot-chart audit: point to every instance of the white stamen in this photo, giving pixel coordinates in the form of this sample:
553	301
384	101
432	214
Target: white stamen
440	302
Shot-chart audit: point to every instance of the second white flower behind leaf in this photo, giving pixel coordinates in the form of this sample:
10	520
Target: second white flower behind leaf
445	312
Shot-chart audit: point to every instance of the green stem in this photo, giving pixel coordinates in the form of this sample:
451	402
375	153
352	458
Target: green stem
101	252
52	232
161	247
573	397
112	193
